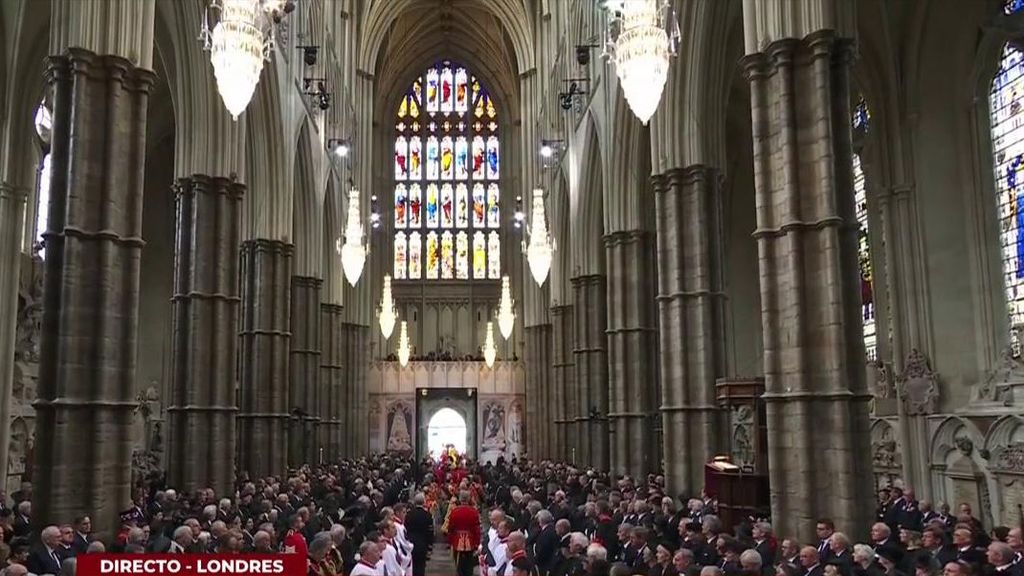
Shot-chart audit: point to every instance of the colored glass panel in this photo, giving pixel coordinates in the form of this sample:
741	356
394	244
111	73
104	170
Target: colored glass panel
1013	6
493	207
867	280
479	160
401	158
400	256
493	256
433	91
479	205
415	158
461	158
461	90
403	107
401	206
415	206
462	256
415	249
461	206
447	206
433	256
447	158
492	158
433	213
433	156
479	256
447	90
447	256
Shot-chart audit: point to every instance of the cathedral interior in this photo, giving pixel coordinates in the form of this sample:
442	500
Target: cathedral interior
789	236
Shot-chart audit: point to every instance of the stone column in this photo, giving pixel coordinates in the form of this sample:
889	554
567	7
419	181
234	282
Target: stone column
539	408
202	409
332	370
263	417
590	305
632	378
91	292
304	368
12	219
691	307
816	397
357	432
563	399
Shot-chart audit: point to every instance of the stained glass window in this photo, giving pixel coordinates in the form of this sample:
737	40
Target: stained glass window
1013	6
44	126
861	115
1008	150
447	194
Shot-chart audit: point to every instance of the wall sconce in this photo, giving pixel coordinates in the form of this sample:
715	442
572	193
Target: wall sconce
340	147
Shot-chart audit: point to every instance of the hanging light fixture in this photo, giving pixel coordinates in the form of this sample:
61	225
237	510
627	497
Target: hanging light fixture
506	316
540	246
490	350
403	345
240	42
353	252
641	39
387	314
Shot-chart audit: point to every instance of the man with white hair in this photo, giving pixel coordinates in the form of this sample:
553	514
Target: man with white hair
181	541
545	547
369	555
47	558
498	559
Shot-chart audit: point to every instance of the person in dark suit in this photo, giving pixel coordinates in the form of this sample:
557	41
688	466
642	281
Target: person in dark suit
933	540
764	543
83	529
890	557
966	551
47	557
545	548
419	527
810	561
1001	557
824	529
22	520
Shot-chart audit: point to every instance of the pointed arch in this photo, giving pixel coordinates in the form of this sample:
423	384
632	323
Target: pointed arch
307	224
586	201
268	205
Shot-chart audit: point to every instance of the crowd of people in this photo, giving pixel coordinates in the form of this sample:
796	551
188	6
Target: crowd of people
379	515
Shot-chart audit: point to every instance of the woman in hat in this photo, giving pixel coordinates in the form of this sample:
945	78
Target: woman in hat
662	561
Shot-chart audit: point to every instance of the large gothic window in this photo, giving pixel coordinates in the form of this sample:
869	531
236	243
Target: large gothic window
861	117
447	185
1008	148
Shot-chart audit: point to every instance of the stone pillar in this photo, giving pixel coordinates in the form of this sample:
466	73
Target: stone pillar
202	408
263	416
330	406
816	396
357	432
563	399
304	368
632	374
91	294
12	220
539	407
691	307
590	305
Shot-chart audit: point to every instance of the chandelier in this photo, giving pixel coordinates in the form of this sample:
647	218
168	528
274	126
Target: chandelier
353	252
490	350
641	39
540	246
387	314
506	317
403	345
242	39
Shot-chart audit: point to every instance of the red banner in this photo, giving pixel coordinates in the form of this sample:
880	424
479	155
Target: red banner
191	565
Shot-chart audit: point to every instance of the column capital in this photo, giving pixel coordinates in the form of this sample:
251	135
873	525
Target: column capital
9	191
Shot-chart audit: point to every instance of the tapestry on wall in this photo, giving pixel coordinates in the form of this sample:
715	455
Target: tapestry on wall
399	427
501	428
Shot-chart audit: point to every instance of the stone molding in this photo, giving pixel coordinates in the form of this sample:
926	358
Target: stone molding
918	386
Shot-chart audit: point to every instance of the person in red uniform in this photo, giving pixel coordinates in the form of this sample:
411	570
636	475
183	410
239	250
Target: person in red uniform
464	534
294	541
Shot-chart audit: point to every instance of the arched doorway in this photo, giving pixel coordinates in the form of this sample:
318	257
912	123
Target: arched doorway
446	427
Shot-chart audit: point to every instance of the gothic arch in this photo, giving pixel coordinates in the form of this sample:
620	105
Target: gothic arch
307	224
268	204
331	231
959	469
560	225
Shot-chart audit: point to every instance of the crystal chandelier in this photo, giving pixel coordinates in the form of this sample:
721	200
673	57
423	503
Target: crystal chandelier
353	252
490	350
387	314
641	39
242	39
541	246
506	317
403	345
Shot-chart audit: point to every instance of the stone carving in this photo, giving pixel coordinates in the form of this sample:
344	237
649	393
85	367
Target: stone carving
880	377
494	427
918	386
742	424
998	385
399	427
965	445
1010	458
30	312
885	450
